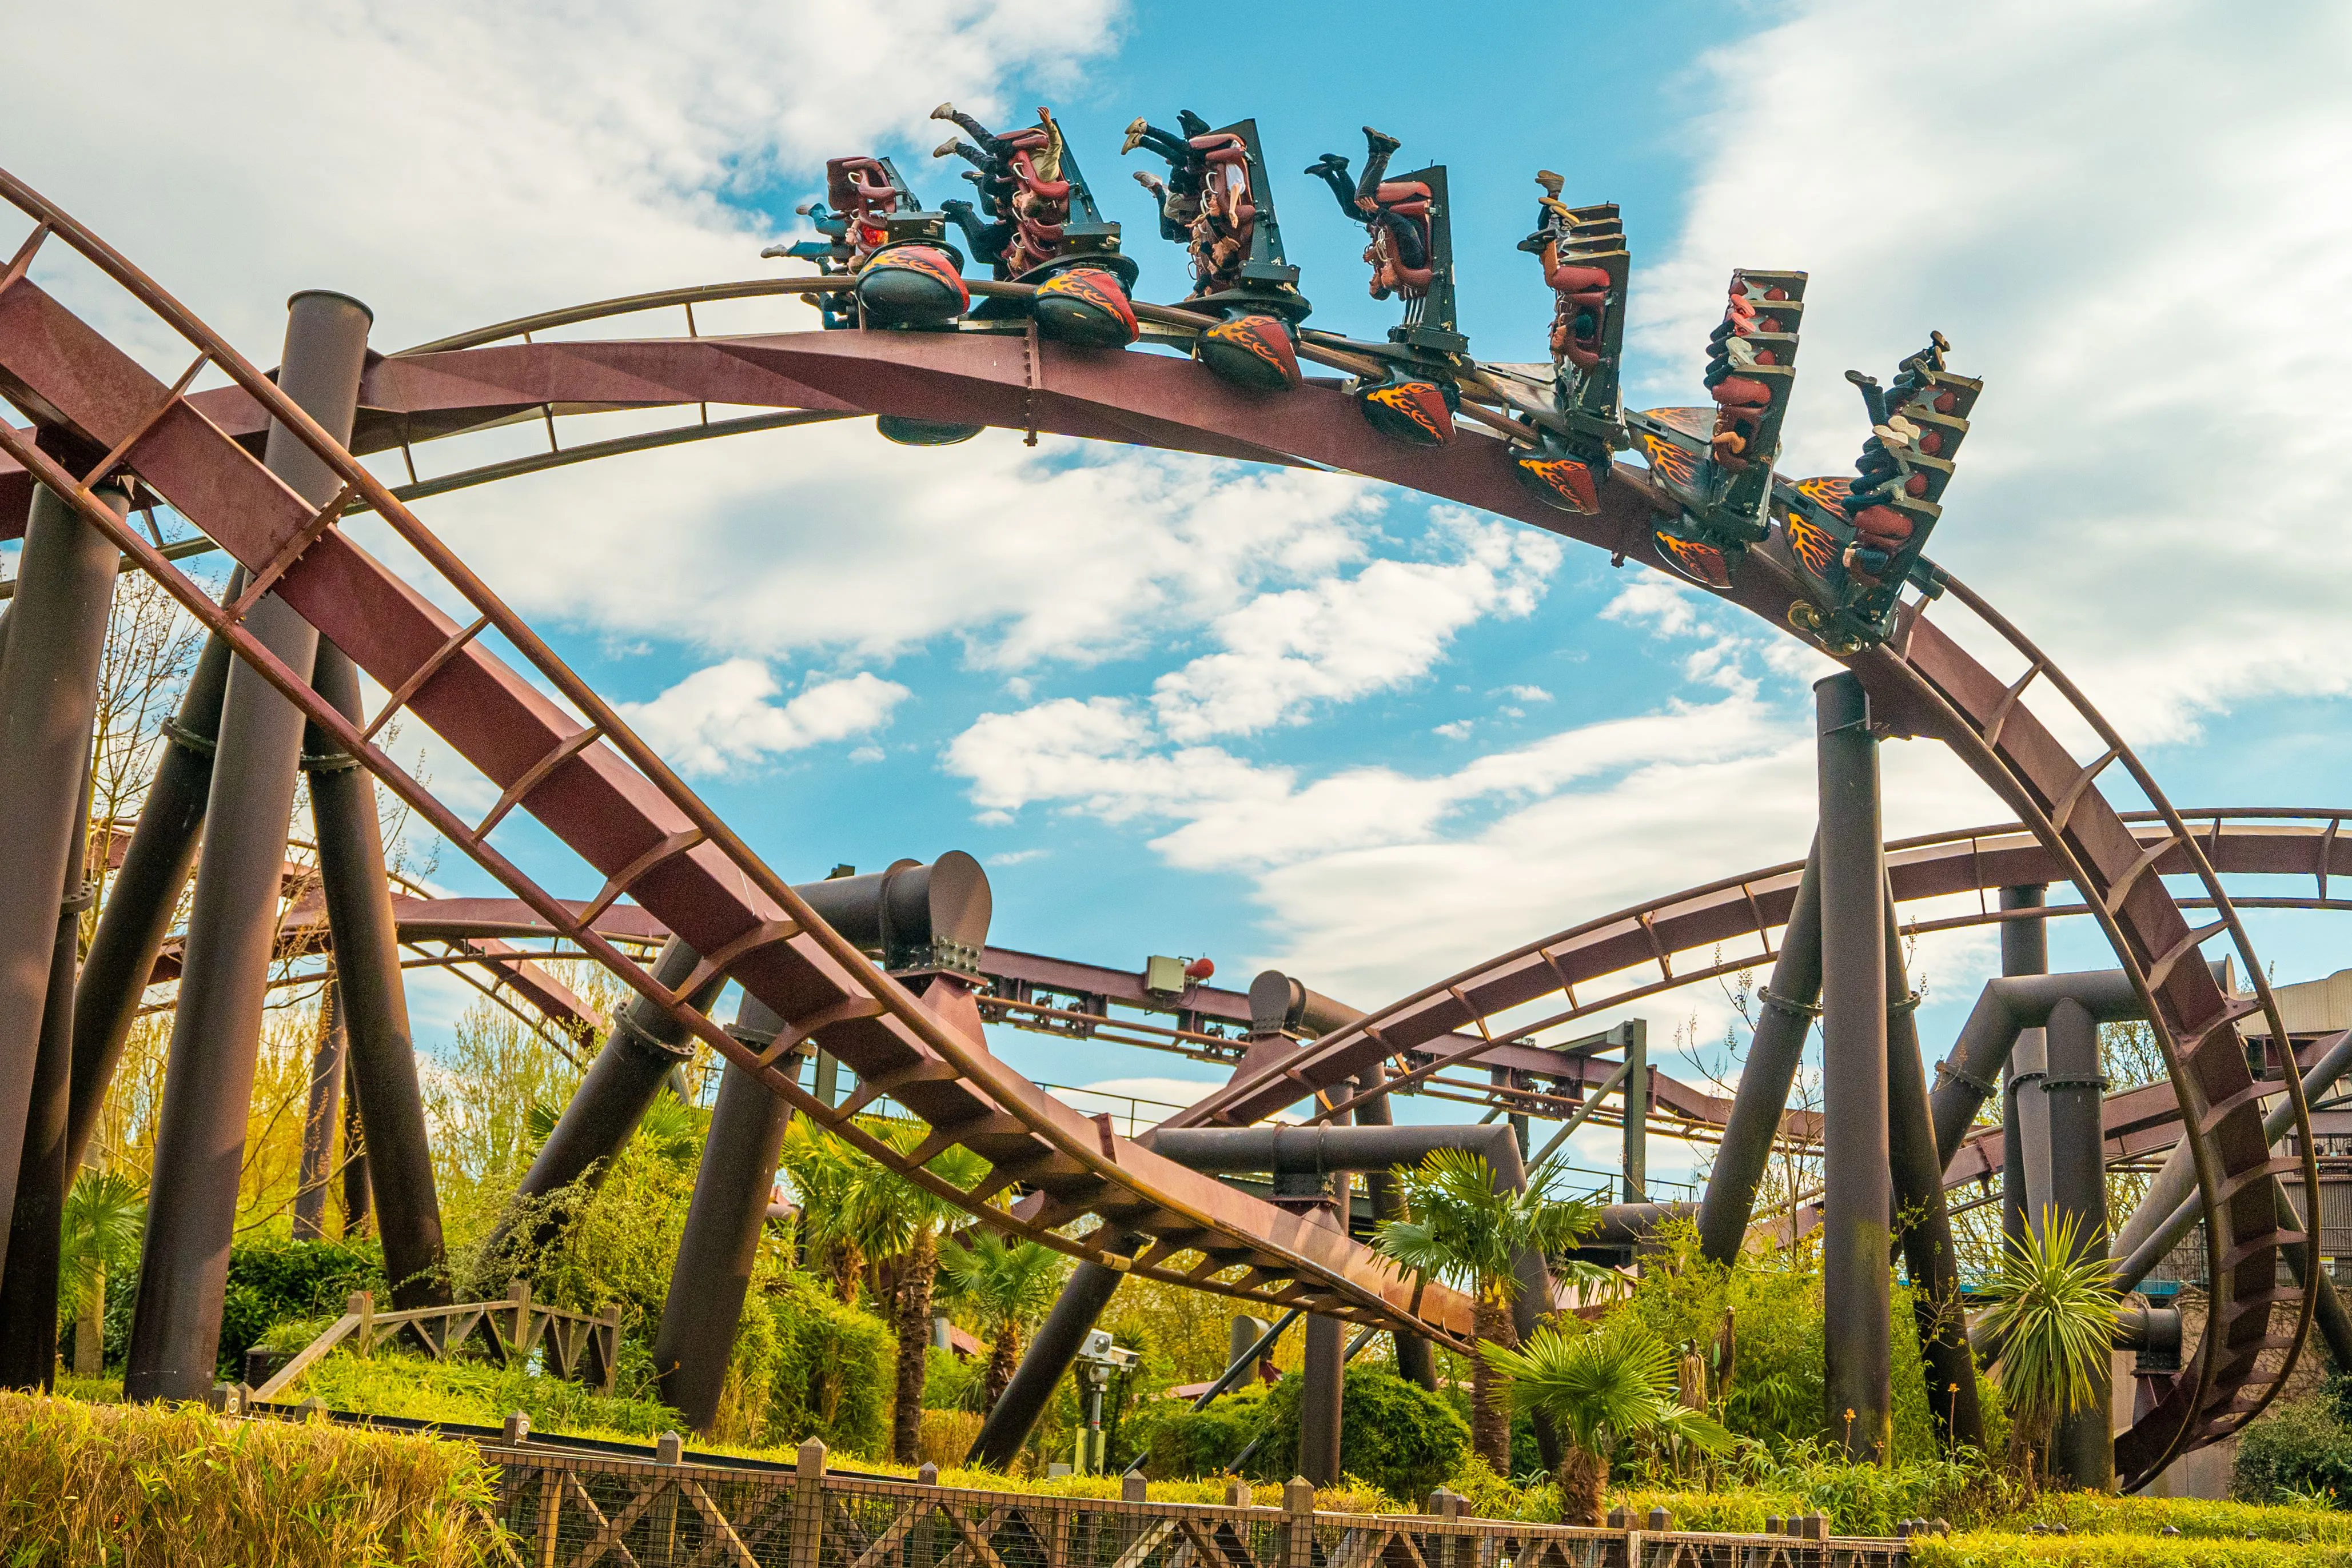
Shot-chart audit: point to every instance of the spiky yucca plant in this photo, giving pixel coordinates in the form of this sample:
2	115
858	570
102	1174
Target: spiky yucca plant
1602	1386
2053	1314
1465	1233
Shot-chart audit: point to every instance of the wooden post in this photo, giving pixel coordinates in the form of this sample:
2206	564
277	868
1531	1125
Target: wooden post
550	1512
808	1507
607	1333
1445	1504
519	1297
362	1305
1133	1488
661	1527
1298	1523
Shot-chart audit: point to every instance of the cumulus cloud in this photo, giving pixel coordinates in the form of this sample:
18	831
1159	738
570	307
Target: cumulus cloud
722	718
1346	637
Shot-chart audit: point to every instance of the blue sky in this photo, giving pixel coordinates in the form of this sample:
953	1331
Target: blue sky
1180	706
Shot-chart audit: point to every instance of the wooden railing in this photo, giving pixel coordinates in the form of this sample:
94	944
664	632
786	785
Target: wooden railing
576	1346
569	1511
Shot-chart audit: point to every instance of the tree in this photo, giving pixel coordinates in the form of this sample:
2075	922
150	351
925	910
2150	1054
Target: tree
105	1211
2053	1314
1465	1232
1009	1285
896	1218
1602	1386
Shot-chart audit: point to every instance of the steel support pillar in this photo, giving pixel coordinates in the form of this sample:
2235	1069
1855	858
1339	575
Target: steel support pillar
323	1111
646	1043
1323	1367
144	894
1788	1003
216	1030
49	695
1416	1359
1858	1187
2082	1448
373	1004
1637	1112
1923	1224
1056	1345
715	1254
2024	950
29	1286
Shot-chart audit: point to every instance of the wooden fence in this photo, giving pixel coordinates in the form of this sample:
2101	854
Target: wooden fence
569	1344
570	1510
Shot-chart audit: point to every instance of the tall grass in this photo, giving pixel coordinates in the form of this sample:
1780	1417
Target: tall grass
93	1485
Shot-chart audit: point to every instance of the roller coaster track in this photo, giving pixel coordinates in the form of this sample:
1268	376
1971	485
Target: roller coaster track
602	791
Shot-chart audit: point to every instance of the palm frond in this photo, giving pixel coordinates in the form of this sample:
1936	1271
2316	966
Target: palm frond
1603	1385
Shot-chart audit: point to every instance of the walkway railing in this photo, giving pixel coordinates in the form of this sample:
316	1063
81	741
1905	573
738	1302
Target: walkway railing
571	1345
566	1511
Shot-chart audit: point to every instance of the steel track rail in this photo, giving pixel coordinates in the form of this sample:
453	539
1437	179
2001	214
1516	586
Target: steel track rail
602	790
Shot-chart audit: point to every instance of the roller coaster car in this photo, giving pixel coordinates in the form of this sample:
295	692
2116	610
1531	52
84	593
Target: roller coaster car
908	275
1716	463
1858	540
1411	258
1037	223
1217	203
1585	265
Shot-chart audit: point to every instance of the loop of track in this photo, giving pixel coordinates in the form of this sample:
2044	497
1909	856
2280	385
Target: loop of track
598	789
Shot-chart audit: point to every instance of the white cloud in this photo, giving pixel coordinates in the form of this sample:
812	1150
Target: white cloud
454	164
720	718
1457	731
1346	637
2128	471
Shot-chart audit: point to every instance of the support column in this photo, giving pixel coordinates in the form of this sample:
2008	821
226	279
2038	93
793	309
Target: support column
2024	950
637	1056
2083	1448
48	695
323	1110
1416	1360
372	1001
1923	1224
216	1034
146	892
1637	1111
1858	1189
1323	1369
1768	1074
28	1288
705	1303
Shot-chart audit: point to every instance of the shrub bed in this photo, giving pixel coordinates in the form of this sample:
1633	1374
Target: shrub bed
99	1484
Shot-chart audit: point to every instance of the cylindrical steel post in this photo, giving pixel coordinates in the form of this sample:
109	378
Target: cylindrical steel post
604	1111
1056	1344
144	896
2083	1445
323	1110
1858	1191
2024	950
1636	1129
721	1241
1768	1073
373	1003
29	1286
1922	1223
232	924
1323	1367
49	695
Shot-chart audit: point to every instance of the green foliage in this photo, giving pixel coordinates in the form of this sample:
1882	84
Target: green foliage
272	1279
1605	1386
473	1392
90	1484
1393	1435
1464	1233
808	1366
105	1211
2298	1449
1178	1442
2054	1315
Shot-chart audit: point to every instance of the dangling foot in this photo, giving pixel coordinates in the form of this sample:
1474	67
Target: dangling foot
945	148
1330	163
1381	141
944	111
1134	135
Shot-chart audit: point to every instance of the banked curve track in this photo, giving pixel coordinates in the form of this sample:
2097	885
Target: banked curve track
603	792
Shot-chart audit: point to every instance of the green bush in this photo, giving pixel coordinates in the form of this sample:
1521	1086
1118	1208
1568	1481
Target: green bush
2299	1449
272	1279
807	1365
475	1393
1392	1434
1178	1443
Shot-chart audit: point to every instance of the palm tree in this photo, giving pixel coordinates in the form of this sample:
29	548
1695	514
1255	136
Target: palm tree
823	1170
1009	1285
104	1213
896	1218
2053	1314
1463	1232
1602	1386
